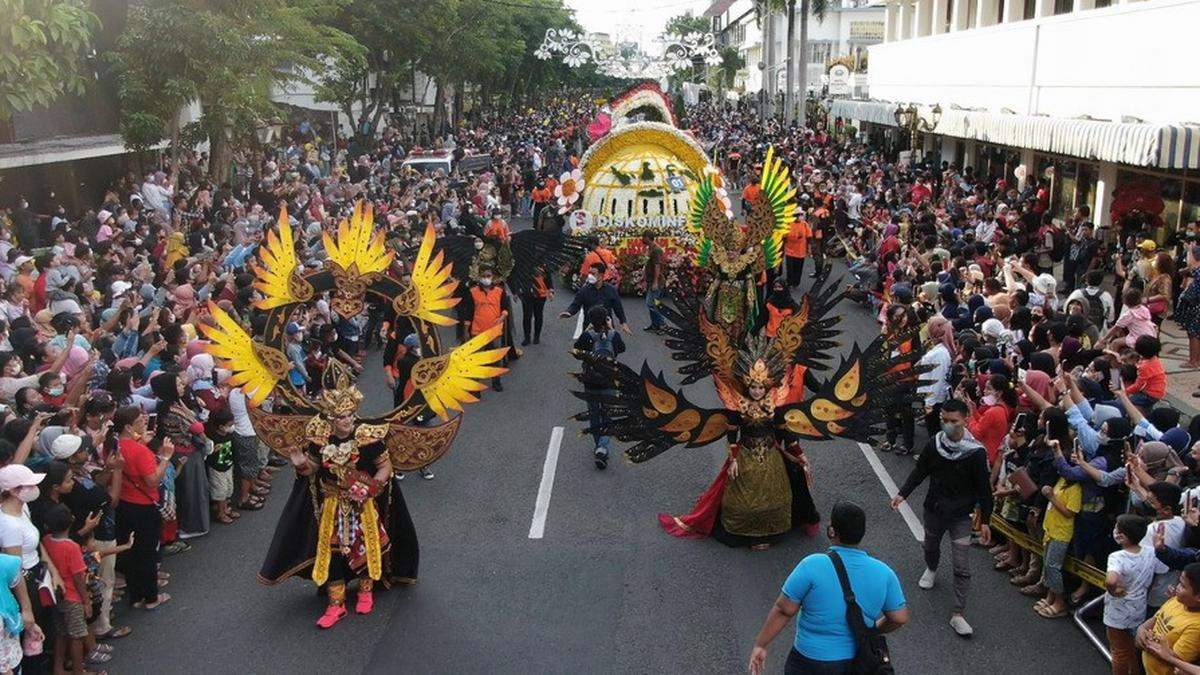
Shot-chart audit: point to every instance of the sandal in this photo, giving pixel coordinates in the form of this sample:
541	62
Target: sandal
224	519
163	575
116	633
1046	612
150	607
1033	589
103	648
251	504
98	657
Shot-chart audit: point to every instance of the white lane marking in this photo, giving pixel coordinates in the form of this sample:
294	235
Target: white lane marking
906	512
542	506
578	326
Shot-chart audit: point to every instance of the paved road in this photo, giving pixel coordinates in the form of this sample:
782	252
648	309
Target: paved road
605	590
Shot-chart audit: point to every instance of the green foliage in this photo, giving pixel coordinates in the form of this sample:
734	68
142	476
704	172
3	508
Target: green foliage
43	45
683	24
227	54
731	63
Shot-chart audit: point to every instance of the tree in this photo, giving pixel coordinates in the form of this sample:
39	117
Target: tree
43	46
389	39
797	51
683	24
226	54
726	72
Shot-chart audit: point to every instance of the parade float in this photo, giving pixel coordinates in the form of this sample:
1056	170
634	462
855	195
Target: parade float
638	175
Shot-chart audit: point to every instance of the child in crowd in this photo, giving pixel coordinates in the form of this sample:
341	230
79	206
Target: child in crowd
219	429
1130	571
1064	499
74	608
1151	383
1170	640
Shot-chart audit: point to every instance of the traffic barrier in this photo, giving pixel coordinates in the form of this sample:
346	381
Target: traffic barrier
1089	574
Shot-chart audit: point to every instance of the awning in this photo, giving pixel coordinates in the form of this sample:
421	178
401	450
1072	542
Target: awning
1137	144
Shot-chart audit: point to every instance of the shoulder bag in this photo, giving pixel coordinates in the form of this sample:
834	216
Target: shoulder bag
871	655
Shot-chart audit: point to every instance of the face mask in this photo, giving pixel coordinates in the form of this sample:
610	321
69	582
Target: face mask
55	391
591	278
989	399
478	245
950	430
28	493
485	282
1102	438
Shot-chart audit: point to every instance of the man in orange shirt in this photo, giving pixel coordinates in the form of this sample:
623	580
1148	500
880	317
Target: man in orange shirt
486	304
597	253
795	250
541	196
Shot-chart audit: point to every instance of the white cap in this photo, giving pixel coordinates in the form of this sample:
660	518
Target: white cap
103	216
22	259
120	287
65	445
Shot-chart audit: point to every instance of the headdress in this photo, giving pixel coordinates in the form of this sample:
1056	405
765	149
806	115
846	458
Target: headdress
338	396
758	364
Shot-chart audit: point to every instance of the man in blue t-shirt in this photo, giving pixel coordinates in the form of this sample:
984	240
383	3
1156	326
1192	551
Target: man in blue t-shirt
824	644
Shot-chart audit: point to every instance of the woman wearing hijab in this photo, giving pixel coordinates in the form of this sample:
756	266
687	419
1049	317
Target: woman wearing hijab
178	421
200	372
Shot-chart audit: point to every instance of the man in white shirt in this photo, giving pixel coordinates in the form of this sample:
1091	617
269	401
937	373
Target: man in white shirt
854	202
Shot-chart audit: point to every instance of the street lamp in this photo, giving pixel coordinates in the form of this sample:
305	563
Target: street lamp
909	118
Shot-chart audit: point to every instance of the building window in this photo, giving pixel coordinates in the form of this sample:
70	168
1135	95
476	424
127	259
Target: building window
1191	203
1085	187
819	53
1063	6
972	12
1029	10
1169	189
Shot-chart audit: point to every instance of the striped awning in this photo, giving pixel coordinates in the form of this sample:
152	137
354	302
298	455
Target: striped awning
1136	144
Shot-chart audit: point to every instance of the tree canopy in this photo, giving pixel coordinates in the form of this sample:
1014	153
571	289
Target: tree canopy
43	49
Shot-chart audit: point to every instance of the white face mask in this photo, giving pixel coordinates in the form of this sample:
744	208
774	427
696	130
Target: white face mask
485	282
591	278
478	245
989	399
28	493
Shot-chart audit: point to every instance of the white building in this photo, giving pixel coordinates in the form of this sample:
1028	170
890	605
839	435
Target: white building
848	28
1089	95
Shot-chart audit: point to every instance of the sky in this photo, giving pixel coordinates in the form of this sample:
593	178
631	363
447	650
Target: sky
639	20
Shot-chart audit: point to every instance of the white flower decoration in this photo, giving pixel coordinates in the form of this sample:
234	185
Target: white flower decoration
570	185
576	58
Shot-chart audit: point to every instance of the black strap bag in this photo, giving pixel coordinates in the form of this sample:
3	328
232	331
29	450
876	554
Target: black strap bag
871	655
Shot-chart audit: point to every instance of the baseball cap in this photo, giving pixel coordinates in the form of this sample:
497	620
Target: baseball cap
119	287
22	259
293	328
65	445
14	476
1148	245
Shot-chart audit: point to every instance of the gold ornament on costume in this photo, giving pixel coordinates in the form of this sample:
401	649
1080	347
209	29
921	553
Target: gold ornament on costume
278	274
356	257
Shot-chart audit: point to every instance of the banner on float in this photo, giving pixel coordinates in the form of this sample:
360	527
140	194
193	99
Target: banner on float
584	222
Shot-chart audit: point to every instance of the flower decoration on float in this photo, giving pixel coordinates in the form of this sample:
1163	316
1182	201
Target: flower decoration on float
570	186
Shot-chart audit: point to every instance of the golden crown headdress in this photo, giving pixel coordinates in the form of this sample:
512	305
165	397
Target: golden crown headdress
338	397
